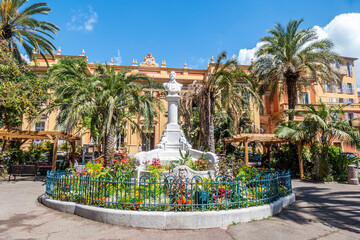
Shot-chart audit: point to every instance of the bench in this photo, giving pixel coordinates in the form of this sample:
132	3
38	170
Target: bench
22	170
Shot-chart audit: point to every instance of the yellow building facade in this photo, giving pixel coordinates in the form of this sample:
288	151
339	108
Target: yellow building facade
157	72
264	120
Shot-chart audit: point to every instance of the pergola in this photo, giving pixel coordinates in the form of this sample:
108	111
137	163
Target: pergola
54	136
265	140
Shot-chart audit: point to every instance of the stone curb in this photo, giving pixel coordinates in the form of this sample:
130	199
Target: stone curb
171	220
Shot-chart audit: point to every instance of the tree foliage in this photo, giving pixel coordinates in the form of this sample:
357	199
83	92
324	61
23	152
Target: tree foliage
291	58
322	125
19	26
105	99
22	92
227	88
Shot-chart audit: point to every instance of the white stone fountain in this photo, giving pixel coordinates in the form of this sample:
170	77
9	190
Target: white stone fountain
173	138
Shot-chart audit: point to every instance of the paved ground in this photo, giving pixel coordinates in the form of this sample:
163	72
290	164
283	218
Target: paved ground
322	211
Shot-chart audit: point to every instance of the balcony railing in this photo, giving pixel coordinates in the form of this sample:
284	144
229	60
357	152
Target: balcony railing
347	106
340	70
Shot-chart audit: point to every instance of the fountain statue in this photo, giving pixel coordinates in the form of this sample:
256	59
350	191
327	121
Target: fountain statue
172	140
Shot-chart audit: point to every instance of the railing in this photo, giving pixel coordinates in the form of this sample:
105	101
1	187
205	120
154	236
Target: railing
347	106
169	194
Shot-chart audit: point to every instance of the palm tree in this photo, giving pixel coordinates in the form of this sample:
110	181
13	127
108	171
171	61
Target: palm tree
107	97
120	98
227	86
19	26
295	57
320	127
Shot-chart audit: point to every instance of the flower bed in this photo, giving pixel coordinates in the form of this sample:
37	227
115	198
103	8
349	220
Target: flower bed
169	194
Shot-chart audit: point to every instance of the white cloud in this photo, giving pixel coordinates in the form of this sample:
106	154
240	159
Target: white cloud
25	57
118	59
245	55
83	21
343	31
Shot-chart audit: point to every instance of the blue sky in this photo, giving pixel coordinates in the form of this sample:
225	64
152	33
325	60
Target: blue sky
192	31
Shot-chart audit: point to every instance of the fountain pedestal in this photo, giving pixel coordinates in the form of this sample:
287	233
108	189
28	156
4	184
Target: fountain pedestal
172	139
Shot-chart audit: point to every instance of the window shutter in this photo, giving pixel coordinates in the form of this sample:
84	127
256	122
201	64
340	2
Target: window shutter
307	98
344	88
337	100
350	69
320	99
297	94
352	89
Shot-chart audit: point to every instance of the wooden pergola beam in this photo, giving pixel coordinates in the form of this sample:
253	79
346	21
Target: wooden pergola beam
246	143
54	158
41	135
267	138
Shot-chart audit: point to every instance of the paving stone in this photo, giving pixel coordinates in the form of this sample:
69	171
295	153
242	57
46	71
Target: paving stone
321	211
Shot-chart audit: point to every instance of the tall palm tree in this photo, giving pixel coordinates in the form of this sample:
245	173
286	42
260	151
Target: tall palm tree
227	86
107	97
294	57
121	98
18	26
322	125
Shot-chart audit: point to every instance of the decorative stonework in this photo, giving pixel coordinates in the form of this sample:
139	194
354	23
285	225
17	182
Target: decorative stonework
163	63
185	174
149	61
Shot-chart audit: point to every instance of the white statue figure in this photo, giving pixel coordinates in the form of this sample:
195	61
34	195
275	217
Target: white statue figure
172	86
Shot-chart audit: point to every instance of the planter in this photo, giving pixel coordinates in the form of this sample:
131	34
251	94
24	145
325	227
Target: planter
202	198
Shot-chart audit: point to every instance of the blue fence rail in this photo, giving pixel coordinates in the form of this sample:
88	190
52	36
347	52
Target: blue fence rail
169	194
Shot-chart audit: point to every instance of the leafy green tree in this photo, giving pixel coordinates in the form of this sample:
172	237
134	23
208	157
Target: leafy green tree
18	25
291	58
322	125
22	92
107	97
226	87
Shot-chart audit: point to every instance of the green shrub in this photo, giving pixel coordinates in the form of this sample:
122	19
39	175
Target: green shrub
338	163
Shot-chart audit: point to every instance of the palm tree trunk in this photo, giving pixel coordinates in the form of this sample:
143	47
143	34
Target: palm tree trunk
109	145
292	94
210	136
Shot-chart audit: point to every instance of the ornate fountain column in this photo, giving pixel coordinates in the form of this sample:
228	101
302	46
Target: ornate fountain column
173	136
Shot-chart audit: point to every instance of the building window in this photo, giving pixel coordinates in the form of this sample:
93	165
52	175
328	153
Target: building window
340	88
148	141
327	87
304	98
331	99
349	88
349	69
333	87
350	116
40	126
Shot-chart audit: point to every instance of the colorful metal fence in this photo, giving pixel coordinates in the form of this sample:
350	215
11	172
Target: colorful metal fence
169	194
